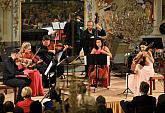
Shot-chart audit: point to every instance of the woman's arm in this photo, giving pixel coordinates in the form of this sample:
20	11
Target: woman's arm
105	50
93	51
149	56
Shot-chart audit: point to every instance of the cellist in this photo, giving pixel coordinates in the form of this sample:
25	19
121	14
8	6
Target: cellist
143	68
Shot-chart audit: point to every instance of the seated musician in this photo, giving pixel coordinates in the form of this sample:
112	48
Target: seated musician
142	67
29	60
47	53
103	71
10	72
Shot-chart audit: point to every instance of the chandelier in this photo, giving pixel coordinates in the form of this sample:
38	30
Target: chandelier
130	21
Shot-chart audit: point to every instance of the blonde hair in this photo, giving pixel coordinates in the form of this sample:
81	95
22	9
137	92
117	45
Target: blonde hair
24	46
26	92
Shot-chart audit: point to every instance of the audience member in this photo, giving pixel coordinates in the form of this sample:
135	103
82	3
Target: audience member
101	105
140	104
25	104
161	104
18	109
2	98
8	107
35	107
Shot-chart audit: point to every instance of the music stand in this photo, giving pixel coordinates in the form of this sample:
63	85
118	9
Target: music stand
68	61
97	59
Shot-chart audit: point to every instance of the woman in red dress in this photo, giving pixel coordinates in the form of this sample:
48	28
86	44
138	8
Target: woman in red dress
103	70
30	60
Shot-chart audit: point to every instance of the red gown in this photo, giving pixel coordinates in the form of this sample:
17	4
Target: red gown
35	76
103	74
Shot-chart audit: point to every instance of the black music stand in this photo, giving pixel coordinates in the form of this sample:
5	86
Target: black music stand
96	59
67	61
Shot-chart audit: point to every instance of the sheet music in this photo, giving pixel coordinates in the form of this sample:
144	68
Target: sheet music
108	60
48	69
85	60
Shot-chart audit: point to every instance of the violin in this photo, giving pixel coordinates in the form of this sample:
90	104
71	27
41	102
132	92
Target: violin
57	47
29	60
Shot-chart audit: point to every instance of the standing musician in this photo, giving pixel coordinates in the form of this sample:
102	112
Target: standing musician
29	61
47	53
10	72
103	71
142	67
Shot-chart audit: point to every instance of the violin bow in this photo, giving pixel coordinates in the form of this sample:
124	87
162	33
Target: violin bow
36	52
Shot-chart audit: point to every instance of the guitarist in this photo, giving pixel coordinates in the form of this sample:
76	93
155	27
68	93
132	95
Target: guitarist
142	67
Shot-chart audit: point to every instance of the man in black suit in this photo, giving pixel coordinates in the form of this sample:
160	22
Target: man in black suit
140	104
161	104
89	36
10	72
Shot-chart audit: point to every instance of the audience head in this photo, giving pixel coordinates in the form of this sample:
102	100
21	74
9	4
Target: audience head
100	100
2	98
18	109
46	40
35	107
144	87
26	92
8	106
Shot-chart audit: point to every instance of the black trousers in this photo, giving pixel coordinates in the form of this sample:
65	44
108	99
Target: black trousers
18	82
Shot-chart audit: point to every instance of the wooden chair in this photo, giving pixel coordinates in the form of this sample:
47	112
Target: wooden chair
152	80
5	87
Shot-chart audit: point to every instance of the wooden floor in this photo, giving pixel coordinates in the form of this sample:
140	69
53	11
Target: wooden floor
114	93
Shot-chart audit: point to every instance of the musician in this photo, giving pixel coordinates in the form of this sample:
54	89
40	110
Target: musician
143	63
29	62
47	53
103	71
88	38
73	35
10	72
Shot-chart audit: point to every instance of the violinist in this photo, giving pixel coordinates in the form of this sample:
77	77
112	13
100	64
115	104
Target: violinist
48	52
27	55
10	72
143	62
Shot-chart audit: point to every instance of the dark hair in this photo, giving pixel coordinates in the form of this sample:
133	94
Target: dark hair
96	47
144	87
2	98
143	43
35	107
46	37
18	109
100	100
8	106
15	50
